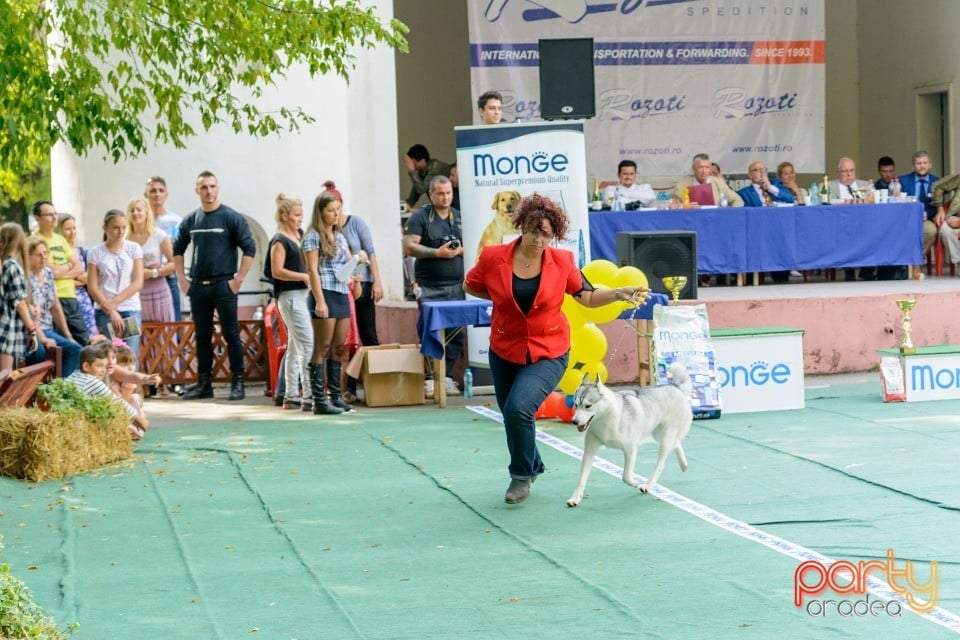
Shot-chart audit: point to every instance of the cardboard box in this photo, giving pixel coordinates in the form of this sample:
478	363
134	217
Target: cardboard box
392	374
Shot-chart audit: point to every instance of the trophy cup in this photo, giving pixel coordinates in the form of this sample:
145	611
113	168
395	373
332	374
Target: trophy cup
675	284
905	306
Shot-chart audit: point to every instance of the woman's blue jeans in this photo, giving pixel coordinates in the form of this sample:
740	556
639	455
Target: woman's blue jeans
103	324
521	389
70	354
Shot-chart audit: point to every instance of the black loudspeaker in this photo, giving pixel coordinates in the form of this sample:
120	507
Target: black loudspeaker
659	254
566	79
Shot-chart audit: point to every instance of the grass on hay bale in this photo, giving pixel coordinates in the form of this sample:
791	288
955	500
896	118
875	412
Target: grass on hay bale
37	445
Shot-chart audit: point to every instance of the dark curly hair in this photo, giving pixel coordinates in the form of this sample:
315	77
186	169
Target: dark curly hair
533	210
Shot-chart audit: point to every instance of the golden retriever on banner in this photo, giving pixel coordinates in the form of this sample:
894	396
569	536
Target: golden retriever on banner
502	223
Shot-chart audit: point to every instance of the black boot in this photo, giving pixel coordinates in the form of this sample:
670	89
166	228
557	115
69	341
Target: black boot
333	386
237	391
321	405
202	390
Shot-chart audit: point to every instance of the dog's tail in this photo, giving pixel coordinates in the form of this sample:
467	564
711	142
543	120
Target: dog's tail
679	377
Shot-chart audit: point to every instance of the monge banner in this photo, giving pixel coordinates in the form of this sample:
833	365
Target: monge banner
498	165
741	81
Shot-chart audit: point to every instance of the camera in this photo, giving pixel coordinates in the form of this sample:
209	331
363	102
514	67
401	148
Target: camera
453	240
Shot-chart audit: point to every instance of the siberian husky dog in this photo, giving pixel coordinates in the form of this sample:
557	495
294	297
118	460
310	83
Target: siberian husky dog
627	419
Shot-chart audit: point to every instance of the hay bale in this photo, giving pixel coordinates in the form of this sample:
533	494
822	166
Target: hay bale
37	446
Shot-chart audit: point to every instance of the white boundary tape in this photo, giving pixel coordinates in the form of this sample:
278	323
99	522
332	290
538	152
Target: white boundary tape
877	587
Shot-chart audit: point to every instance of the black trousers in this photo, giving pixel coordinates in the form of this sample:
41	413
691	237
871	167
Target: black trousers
75	321
204	300
367	316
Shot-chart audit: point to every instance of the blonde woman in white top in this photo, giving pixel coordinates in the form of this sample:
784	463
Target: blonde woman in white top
115	277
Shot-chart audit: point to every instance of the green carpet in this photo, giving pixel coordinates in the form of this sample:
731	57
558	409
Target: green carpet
391	524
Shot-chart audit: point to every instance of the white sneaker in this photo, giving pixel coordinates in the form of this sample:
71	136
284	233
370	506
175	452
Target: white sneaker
796	274
428	388
452	389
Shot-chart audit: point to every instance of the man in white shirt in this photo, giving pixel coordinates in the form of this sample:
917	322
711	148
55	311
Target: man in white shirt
156	194
628	189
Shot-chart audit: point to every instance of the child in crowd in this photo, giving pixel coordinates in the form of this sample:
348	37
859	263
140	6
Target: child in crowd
91	379
125	367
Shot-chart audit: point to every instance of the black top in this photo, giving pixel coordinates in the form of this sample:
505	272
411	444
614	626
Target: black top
292	262
216	235
435	232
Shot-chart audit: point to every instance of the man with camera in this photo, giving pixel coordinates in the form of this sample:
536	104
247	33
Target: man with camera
434	237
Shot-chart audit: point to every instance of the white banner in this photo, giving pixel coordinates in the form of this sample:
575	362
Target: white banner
497	167
740	81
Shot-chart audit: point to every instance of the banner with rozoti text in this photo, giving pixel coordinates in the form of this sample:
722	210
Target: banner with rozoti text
741	81
500	165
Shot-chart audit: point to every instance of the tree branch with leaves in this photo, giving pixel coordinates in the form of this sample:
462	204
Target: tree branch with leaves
118	74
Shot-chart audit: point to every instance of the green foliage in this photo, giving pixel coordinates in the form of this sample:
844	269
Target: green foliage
20	617
66	399
116	74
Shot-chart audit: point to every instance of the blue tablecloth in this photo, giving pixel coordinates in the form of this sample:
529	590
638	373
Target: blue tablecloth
748	239
436	316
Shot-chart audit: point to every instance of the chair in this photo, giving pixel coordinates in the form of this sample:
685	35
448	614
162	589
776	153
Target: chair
19	388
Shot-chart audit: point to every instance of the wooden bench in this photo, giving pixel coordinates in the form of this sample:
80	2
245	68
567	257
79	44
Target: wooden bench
19	387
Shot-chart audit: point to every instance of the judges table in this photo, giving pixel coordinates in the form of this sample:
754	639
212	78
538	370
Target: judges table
437	317
752	239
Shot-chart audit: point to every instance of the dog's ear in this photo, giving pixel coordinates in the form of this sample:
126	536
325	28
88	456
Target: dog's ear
597	381
585	379
517	196
496	198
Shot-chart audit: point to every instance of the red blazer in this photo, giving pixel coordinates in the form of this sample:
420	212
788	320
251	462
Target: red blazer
544	331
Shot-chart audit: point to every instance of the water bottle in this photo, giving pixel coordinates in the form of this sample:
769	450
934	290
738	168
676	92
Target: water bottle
258	313
814	194
617	202
467	383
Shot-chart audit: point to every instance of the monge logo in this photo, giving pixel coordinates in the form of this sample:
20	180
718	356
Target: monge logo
572	11
923	377
487	164
757	374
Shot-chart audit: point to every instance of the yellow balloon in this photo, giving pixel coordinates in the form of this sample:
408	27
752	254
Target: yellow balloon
587	344
599	272
570	381
574	312
630	277
595	370
606	313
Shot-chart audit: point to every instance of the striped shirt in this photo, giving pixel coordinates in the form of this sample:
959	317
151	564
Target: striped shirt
95	387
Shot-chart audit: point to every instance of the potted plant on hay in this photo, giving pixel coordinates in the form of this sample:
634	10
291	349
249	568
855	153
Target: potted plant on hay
69	433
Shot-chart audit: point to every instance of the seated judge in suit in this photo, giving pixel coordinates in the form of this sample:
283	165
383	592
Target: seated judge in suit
846	186
919	183
701	175
761	192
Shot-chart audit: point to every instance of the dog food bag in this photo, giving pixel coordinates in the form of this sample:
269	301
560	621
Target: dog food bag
682	333
891	378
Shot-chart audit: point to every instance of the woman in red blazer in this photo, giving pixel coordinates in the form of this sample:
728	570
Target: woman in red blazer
529	334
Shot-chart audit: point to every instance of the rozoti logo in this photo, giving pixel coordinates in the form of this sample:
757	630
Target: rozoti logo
571	11
487	164
756	375
813	577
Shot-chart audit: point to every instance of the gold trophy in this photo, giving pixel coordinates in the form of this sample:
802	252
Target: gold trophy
907	345
675	284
